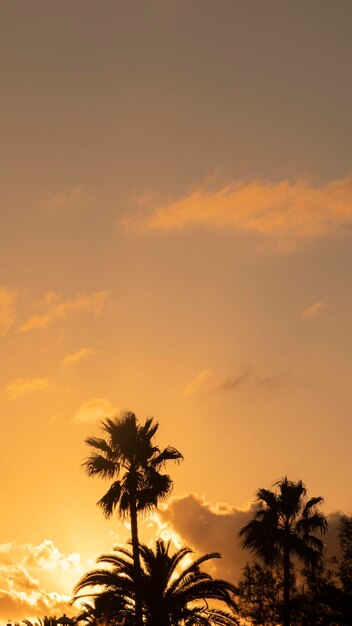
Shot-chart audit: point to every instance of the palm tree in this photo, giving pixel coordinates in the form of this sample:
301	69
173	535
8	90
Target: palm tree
128	456
171	595
106	609
285	525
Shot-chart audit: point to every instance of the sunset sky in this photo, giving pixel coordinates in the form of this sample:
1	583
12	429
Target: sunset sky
176	230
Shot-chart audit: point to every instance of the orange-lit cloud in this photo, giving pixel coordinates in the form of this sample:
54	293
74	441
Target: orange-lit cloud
32	604
197	383
22	595
22	386
70	359
8	299
288	211
56	308
47	556
67	201
93	410
313	310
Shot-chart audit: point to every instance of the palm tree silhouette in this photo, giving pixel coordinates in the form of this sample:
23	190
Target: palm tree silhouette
171	594
128	456
285	524
48	620
107	609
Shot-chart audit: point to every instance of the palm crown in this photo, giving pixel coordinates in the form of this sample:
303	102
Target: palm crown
128	455
170	594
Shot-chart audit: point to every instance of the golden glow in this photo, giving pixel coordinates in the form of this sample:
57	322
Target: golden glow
222	308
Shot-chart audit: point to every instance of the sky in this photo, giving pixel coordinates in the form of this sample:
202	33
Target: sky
176	213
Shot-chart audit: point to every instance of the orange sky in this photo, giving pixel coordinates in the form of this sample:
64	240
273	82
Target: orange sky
176	211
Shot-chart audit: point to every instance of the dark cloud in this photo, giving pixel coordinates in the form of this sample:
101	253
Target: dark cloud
210	529
207	528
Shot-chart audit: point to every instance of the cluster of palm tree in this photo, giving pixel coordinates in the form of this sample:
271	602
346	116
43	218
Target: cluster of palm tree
142	586
145	587
171	593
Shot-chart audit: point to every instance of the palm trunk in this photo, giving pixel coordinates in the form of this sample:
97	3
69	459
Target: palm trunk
286	607
136	562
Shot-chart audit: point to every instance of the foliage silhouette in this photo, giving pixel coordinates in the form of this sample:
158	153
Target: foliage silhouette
47	620
128	456
285	524
260	594
345	565
107	608
171	592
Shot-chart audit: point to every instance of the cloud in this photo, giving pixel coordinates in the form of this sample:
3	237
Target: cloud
8	299
22	386
197	382
22	595
77	356
93	410
59	309
231	382
47	556
288	211
68	201
209	528
248	376
313	310
22	605
214	528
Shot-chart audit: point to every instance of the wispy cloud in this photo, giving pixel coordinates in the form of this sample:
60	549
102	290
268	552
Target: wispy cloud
8	299
314	310
70	359
231	382
93	410
207	381
57	308
68	201
22	386
197	383
288	211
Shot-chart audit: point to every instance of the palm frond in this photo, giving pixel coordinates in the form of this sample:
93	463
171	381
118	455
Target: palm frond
98	465
168	454
110	499
99	444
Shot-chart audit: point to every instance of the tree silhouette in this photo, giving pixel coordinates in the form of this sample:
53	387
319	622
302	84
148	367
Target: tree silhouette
260	594
170	594
128	456
48	620
285	524
108	608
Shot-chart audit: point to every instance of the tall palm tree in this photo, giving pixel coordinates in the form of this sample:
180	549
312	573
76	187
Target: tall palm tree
171	594
285	525
128	456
